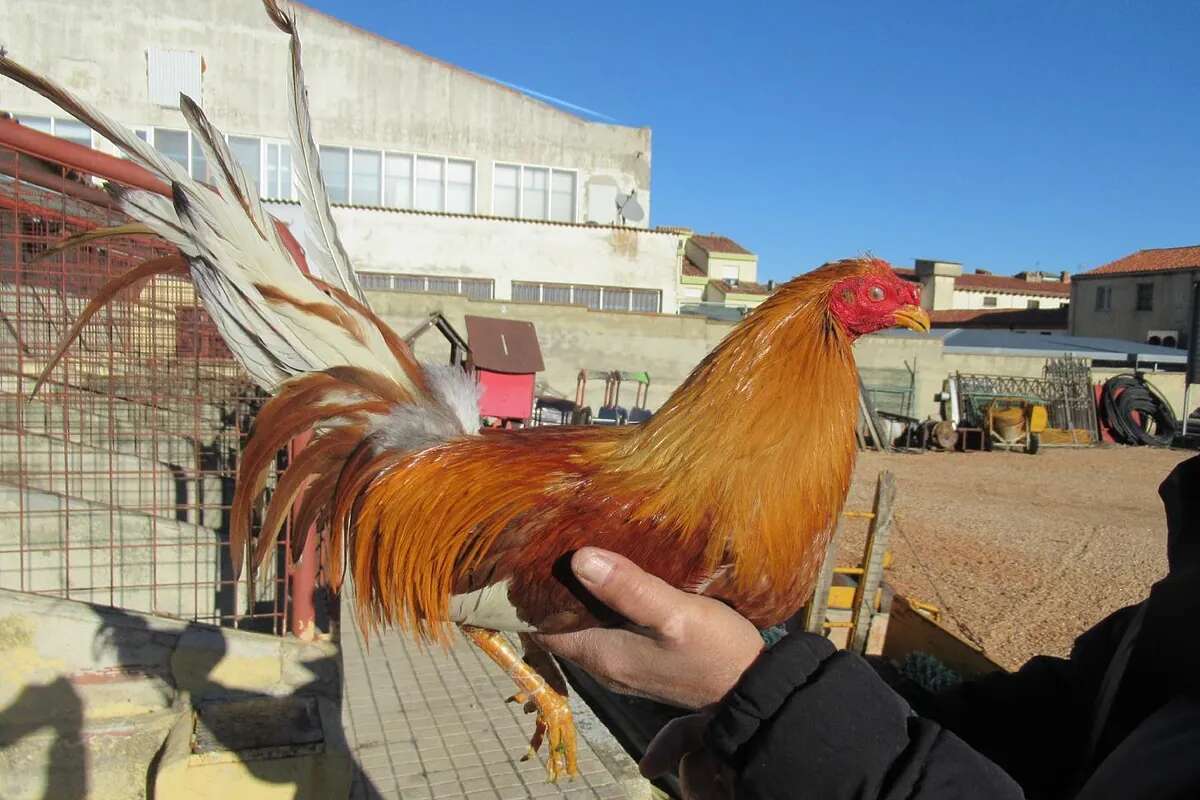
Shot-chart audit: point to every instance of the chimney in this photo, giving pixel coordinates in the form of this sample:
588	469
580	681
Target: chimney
983	272
937	282
1064	276
771	285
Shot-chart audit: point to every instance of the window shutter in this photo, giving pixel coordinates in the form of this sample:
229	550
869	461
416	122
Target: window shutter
170	73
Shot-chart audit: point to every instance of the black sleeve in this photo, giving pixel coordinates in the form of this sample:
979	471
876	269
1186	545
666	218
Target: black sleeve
807	720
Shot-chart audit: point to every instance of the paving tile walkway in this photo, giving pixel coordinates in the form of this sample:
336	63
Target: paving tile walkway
431	723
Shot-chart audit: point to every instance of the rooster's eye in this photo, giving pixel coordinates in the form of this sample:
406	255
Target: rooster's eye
875	293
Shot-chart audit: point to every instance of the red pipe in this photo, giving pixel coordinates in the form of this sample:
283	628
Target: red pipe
79	158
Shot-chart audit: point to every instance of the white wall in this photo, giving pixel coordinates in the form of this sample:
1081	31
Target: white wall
428	244
364	90
973	298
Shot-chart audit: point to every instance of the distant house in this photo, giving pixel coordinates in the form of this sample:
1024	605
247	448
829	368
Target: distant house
718	277
1028	301
1144	297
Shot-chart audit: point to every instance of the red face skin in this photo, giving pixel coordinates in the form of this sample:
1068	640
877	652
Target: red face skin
868	303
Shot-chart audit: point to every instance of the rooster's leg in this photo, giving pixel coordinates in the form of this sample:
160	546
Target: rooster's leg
544	690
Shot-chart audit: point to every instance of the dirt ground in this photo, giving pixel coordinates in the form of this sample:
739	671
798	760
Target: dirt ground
1024	552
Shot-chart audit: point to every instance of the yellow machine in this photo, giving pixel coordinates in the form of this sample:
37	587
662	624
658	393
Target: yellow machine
1015	423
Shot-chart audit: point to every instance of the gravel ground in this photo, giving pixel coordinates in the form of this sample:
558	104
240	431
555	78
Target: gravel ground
1024	552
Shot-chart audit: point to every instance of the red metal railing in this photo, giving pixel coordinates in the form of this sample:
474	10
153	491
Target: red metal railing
116	480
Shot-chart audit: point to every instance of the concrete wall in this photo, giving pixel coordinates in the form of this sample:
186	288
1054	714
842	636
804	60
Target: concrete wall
365	91
504	250
572	338
107	704
1172	305
668	347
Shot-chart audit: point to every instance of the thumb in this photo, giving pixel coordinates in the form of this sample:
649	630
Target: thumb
626	588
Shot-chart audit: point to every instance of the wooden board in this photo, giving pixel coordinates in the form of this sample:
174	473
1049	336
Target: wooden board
909	631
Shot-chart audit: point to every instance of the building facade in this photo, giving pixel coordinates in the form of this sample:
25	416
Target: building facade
436	173
1144	297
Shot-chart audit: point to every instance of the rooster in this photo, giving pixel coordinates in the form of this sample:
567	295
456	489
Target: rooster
731	490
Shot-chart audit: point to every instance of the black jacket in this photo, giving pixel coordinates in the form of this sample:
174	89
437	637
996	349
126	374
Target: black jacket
1119	719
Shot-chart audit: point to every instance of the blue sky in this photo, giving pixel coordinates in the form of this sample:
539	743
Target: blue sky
1007	136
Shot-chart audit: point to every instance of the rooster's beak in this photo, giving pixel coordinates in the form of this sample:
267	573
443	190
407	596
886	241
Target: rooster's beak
913	317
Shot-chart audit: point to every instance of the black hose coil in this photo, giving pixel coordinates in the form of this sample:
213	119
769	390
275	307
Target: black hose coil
1136	412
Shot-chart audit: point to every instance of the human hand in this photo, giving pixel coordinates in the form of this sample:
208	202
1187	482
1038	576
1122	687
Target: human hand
680	648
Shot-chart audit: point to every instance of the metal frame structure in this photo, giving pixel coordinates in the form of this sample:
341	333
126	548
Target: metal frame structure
116	480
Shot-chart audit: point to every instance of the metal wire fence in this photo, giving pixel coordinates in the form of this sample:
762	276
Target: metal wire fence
116	479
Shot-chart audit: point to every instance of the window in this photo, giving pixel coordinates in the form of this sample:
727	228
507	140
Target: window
365	185
474	288
608	298
1145	297
248	152
1103	298
562	196
989	301
171	73
460	186
279	171
63	127
398	180
505	199
174	145
429	184
534	192
73	131
1033	304
335	170
374	280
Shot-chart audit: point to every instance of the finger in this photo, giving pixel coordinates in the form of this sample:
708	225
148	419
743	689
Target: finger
677	738
623	586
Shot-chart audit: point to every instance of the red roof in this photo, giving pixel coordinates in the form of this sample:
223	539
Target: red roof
719	244
1003	283
1005	318
742	287
1159	259
503	345
691	270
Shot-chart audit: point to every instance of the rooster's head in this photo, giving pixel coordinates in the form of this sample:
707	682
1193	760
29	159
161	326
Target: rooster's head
866	295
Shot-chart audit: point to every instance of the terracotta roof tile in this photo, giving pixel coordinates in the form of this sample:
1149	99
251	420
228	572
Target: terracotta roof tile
1159	259
1003	283
719	244
1047	318
691	270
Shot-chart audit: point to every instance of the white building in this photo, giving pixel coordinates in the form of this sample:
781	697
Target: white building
444	180
1028	301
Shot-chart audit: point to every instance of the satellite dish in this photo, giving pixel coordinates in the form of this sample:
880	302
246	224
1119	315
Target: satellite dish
628	207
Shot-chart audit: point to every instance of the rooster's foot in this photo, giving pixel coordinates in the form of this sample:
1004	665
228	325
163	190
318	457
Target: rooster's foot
555	724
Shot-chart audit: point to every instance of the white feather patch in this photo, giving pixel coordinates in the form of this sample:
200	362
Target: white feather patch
458	391
489	608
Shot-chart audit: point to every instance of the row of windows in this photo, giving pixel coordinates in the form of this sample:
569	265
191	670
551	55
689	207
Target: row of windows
606	298
366	177
475	288
398	180
989	301
1144	302
533	192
